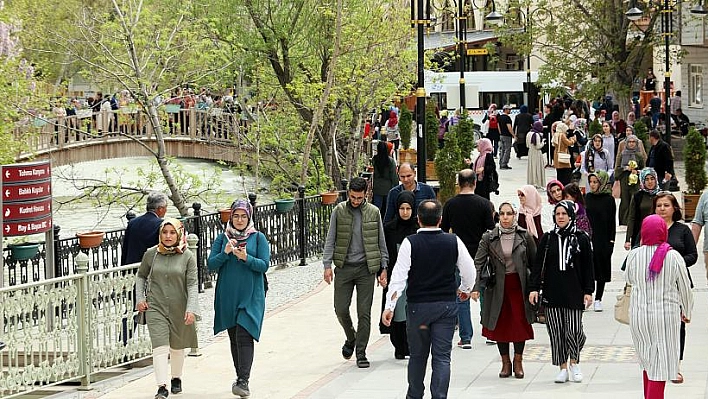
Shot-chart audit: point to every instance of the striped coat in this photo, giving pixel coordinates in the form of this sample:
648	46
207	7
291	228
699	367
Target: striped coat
655	311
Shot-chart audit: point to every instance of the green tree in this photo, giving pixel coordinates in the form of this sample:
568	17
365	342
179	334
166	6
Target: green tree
448	161
694	154
431	136
147	47
590	43
465	136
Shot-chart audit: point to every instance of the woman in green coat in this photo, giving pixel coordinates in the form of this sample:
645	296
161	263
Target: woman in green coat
240	256
170	302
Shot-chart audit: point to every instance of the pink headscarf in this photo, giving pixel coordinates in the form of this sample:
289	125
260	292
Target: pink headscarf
485	147
531	208
548	190
655	232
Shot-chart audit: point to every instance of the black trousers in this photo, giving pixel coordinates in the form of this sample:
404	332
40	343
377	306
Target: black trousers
241	351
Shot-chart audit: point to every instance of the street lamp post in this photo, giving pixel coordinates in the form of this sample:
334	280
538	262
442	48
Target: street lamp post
667	10
420	17
462	45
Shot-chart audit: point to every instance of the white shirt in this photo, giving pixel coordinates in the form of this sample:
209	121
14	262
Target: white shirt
399	279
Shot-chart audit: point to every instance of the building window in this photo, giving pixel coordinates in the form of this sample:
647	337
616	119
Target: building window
695	86
440	99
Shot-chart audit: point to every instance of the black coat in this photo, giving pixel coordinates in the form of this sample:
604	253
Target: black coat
483	187
661	158
600	209
563	289
142	233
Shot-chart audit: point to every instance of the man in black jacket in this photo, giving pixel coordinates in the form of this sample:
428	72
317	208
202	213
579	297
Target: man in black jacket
660	157
142	232
427	262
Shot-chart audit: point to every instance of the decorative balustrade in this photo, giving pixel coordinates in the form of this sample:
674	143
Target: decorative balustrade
295	235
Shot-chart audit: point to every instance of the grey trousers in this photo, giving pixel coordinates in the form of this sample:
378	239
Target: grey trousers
346	279
504	150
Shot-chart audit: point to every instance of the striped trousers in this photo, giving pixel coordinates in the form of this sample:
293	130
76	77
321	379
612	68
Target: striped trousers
565	329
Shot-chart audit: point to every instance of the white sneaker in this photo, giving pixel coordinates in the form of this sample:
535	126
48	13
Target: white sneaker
575	373
562	376
597	306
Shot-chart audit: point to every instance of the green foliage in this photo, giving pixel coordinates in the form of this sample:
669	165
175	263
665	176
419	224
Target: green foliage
431	134
594	128
642	132
283	187
583	39
694	154
448	162
405	124
465	135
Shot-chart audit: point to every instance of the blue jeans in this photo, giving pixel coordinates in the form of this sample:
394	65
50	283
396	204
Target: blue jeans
431	327
464	317
654	119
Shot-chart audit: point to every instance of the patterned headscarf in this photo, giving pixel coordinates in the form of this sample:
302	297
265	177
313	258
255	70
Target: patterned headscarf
231	231
567	239
548	190
485	147
604	178
655	232
181	243
643	174
532	207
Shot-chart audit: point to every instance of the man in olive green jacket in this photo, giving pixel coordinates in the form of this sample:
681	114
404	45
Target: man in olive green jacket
357	247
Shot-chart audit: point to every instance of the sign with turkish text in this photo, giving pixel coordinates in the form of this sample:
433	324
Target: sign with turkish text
26	191
27	227
26	198
24	172
27	209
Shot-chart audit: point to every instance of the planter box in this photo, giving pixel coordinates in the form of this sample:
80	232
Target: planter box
430	173
91	239
409	155
690	201
329	198
284	205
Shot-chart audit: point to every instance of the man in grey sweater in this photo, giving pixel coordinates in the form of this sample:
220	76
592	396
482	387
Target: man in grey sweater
357	247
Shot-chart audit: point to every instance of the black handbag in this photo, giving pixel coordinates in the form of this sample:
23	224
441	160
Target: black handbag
487	275
540	308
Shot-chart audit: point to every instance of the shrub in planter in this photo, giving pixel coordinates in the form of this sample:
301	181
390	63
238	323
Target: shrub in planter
465	137
694	154
448	161
405	124
431	134
642	132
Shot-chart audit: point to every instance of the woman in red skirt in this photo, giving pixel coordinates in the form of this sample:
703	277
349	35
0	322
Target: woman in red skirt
506	314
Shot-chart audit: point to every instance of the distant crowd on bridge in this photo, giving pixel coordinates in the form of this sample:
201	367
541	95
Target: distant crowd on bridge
185	113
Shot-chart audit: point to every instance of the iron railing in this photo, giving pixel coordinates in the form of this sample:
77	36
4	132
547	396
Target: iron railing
294	236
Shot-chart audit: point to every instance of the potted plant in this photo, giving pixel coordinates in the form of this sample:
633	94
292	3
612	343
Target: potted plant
642	133
694	156
405	125
448	162
431	142
90	239
225	215
23	250
285	201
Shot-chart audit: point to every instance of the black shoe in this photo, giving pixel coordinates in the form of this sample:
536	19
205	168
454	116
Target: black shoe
240	388
162	392
362	362
347	351
176	385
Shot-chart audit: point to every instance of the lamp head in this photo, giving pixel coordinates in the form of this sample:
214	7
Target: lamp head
634	14
699	10
494	16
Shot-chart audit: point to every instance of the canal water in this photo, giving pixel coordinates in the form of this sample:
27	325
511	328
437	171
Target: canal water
219	186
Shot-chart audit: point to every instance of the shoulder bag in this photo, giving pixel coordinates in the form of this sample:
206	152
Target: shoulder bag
487	275
539	308
622	305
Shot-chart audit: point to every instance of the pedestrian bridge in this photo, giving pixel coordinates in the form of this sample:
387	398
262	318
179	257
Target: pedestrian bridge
189	133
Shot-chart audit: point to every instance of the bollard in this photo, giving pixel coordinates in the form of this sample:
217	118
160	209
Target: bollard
201	275
130	215
82	302
301	223
192	243
252	199
57	253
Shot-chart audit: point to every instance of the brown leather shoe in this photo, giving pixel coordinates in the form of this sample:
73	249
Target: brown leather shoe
506	367
518	366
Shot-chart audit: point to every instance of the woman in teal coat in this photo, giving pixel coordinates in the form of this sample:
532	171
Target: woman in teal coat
240	256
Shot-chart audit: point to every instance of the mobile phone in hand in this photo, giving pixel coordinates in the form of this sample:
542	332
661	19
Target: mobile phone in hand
242	244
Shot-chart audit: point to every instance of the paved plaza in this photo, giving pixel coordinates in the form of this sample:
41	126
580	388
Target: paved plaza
299	353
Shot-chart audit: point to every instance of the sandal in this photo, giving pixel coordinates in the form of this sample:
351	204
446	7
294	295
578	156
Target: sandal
678	379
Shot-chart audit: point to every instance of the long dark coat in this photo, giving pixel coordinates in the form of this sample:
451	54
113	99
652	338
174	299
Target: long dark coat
600	209
523	254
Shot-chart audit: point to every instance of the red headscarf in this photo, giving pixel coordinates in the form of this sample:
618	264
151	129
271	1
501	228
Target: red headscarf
392	120
655	232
